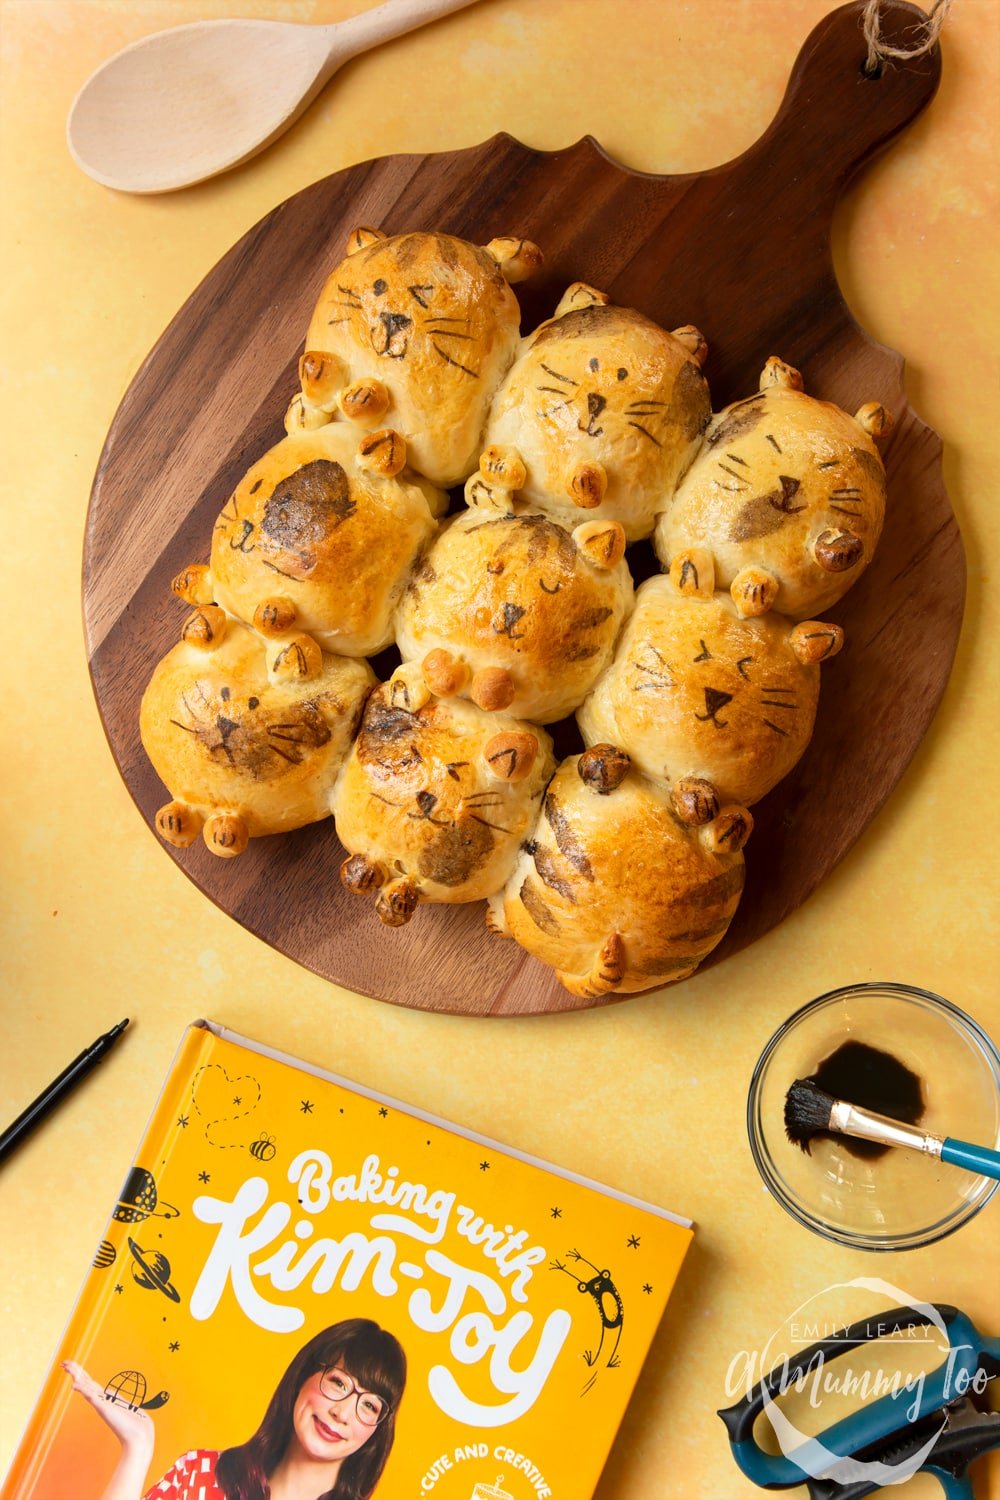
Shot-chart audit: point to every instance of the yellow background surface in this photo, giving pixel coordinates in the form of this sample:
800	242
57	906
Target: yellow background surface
98	923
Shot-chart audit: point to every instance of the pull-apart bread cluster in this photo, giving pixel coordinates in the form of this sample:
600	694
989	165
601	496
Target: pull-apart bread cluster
511	605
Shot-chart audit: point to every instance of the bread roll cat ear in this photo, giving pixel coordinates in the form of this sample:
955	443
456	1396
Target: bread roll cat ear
486	496
206	628
727	833
299	660
517	259
694	342
692	572
361	238
601	542
194	585
777	372
606	972
178	824
603	768
382	452
226	834
408	689
876	419
578	296
815	641
511	755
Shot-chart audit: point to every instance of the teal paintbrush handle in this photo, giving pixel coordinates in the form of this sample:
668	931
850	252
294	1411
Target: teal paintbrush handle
975	1158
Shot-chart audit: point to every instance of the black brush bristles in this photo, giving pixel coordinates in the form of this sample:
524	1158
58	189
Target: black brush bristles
807	1112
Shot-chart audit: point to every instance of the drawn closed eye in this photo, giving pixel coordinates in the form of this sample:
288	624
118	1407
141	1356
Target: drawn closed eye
704	654
545	588
741	667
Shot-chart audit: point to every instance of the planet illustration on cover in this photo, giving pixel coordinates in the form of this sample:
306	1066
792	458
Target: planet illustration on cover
152	1271
128	1388
138	1199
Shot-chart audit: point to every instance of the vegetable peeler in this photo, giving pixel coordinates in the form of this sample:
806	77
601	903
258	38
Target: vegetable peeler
939	1416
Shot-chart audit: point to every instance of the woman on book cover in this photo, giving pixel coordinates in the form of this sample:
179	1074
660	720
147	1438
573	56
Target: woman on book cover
326	1434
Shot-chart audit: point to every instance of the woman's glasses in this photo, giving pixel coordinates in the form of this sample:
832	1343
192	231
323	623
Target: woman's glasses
336	1386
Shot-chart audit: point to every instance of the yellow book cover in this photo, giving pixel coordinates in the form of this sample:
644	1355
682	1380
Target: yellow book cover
309	1291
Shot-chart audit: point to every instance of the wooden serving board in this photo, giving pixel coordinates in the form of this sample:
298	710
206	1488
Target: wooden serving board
743	252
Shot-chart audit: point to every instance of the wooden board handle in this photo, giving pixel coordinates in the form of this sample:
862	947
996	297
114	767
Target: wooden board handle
834	115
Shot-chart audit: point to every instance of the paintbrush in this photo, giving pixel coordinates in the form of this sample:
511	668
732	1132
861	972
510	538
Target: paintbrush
808	1110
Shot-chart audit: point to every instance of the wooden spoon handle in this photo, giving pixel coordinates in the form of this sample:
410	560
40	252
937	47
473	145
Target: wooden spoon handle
394	18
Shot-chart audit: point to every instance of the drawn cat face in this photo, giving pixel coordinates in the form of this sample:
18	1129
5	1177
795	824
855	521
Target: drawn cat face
788	487
518	594
603	407
229	727
311	539
419	325
697	691
612	889
423	800
426	292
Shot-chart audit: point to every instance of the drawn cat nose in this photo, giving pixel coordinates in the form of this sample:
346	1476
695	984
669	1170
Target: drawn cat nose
595	405
714	700
389	336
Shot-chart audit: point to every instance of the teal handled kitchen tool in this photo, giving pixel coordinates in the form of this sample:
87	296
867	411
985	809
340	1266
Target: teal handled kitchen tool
931	1426
809	1111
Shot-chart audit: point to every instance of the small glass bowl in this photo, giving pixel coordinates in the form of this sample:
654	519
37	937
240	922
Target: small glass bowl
902	1199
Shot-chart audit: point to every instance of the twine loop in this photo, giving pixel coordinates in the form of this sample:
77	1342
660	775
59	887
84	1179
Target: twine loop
925	39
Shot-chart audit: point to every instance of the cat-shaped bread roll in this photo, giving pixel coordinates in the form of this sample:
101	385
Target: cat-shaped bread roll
598	417
784	503
415	331
612	889
516	613
718	706
435	798
320	536
247	736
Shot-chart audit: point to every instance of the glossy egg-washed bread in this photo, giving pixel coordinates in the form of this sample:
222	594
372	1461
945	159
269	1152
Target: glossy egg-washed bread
516	613
612	889
597	419
719	706
247	735
321	535
694	695
415	331
435	798
783	504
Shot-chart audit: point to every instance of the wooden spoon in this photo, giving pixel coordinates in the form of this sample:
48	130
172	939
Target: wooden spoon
184	104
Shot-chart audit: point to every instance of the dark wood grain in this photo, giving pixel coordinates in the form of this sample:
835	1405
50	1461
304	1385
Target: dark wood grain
742	251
